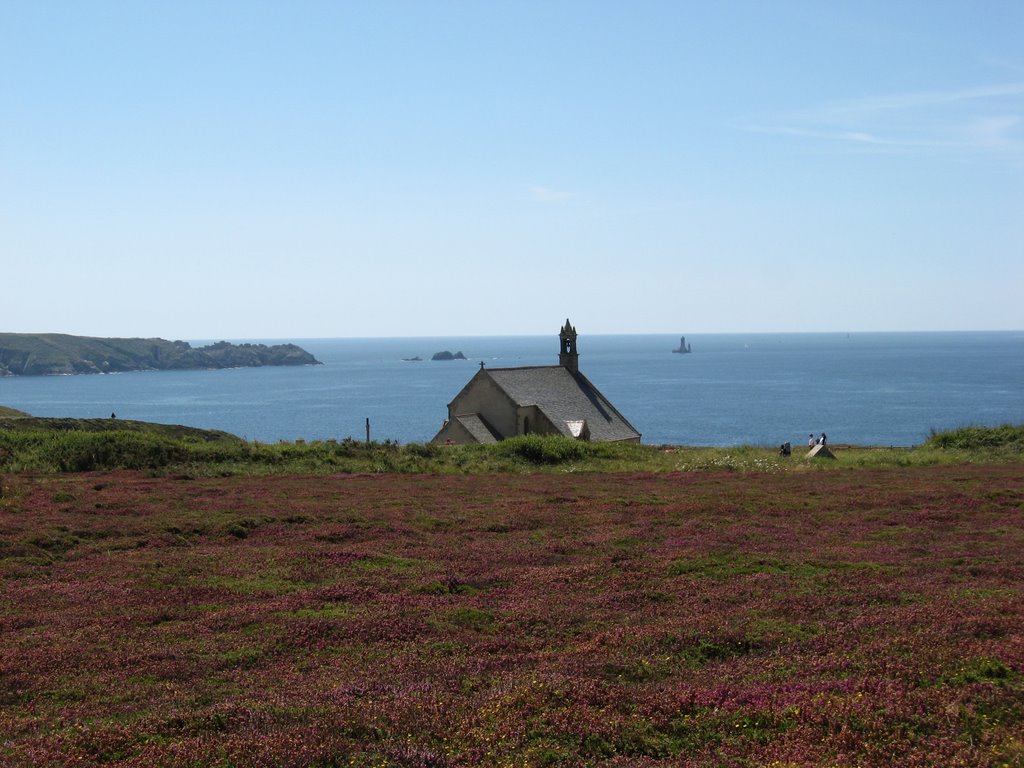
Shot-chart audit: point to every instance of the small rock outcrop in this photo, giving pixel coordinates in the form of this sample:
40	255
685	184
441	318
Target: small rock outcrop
820	452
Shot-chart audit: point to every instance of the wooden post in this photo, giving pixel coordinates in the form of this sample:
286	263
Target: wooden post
367	430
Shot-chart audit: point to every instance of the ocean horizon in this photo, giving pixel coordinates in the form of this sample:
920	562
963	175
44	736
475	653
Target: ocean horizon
868	388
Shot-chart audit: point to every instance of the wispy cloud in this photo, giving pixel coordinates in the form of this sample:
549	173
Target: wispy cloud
981	118
541	194
907	101
997	132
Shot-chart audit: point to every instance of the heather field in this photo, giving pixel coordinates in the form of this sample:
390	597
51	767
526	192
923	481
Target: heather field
870	617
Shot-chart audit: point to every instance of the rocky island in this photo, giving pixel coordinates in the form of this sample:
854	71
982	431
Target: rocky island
41	354
447	355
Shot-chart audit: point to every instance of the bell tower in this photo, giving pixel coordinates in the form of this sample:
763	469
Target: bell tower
568	357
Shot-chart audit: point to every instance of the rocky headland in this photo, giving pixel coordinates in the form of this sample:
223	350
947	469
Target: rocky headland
42	354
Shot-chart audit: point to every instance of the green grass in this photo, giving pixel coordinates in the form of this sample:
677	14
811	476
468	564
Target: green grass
30	444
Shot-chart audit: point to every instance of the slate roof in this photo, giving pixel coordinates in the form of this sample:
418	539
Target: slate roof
564	397
478	428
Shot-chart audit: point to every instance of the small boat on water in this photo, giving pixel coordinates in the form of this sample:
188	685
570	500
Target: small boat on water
683	348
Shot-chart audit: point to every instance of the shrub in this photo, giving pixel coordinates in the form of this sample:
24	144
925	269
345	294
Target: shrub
544	449
423	450
968	438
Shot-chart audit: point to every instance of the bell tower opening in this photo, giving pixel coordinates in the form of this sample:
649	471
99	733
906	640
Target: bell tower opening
568	356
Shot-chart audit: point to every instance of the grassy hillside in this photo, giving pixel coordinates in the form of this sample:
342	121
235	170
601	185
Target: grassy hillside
61	445
27	424
869	619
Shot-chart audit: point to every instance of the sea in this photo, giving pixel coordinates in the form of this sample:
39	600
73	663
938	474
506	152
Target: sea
888	389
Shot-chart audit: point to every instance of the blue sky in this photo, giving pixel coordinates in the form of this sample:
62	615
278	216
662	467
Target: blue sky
321	169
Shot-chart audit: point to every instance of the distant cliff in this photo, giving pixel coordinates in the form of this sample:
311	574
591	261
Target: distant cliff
40	354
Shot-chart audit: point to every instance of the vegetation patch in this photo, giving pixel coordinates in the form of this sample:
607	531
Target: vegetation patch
334	611
724	618
385	563
56	542
979	670
476	619
727	565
